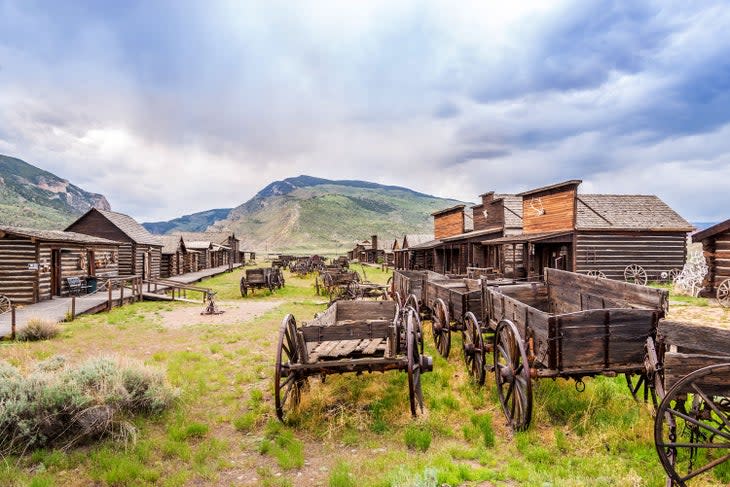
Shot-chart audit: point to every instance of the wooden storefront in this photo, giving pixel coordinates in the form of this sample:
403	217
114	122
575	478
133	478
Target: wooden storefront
35	264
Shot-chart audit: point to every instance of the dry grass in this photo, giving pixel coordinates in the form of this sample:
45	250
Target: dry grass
38	329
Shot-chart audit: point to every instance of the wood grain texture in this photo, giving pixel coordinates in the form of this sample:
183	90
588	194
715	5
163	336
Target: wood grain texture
559	211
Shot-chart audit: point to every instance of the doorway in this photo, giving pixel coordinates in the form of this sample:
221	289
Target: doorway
56	284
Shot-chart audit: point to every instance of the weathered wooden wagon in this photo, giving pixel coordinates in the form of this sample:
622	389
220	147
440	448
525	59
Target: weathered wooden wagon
350	336
335	282
277	277
690	370
260	278
572	326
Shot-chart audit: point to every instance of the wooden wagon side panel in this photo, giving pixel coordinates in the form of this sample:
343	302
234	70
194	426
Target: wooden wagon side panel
677	365
602	339
692	338
612	252
571	292
364	310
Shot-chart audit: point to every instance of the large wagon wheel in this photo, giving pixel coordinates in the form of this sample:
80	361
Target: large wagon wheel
692	430
415	393
440	327
287	393
412	301
723	293
595	273
512	374
635	274
244	287
473	345
5	304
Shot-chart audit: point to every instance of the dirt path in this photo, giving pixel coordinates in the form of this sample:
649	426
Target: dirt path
233	312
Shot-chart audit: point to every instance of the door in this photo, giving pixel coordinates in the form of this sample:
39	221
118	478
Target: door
56	272
144	265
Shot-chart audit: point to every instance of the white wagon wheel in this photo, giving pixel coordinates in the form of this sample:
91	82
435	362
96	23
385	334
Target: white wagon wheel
723	293
5	304
674	274
635	274
595	273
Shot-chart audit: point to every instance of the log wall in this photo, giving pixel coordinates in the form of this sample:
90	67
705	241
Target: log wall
612	252
17	282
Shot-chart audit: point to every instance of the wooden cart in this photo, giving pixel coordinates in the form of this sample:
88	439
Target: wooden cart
572	326
408	287
277	277
260	278
690	370
350	336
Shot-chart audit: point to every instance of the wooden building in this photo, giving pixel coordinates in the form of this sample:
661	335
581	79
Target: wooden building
140	253
224	247
369	251
716	248
406	256
174	254
582	232
35	264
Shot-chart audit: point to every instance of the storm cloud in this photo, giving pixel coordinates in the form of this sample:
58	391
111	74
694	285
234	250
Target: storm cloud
174	107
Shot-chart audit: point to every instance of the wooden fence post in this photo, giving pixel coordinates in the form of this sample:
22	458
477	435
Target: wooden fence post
109	301
73	308
121	294
12	322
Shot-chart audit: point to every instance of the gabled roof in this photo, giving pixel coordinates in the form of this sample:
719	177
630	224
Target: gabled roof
171	244
199	244
56	235
215	237
627	212
127	225
426	245
473	234
416	239
712	231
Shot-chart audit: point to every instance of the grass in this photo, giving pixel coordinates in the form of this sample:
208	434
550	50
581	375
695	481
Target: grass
349	430
38	329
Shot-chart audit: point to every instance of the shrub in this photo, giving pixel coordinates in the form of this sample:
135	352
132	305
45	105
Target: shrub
62	406
38	329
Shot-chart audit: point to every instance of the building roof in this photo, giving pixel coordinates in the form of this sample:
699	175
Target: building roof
416	239
560	235
627	212
56	235
426	245
171	243
448	210
570	182
215	237
712	231
473	234
129	226
199	244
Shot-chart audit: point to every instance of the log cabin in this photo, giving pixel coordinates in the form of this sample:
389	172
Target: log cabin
716	249
594	232
225	247
173	256
407	256
140	253
369	251
35	264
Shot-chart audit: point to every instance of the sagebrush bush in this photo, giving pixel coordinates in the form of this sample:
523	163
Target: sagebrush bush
38	329
62	406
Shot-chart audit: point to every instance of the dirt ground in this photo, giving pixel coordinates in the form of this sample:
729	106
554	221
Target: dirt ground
232	312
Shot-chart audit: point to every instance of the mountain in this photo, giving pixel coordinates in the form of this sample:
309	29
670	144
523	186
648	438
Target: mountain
305	214
32	197
197	222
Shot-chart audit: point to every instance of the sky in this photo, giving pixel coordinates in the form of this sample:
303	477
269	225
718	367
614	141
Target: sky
173	107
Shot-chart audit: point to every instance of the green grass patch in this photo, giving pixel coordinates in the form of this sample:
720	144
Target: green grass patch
417	438
279	442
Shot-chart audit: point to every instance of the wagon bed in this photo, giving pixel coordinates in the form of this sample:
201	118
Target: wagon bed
350	336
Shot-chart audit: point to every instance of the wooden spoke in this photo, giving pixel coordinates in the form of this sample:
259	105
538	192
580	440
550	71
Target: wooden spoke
635	274
415	392
412	301
512	375
473	346
691	430
440	326
595	273
287	392
723	293
5	304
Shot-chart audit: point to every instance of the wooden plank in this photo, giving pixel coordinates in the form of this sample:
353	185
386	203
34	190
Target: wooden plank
344	348
350	331
691	338
678	365
373	346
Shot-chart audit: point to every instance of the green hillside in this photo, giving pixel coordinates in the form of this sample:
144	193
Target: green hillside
197	222
32	197
306	214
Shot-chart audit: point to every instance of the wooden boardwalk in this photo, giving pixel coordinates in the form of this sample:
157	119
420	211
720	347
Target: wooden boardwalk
57	308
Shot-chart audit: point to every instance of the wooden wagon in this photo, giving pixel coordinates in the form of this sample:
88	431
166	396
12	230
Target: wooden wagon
690	368
260	278
571	326
350	336
335	283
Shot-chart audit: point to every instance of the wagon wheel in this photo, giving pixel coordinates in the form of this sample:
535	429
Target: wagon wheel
692	430
269	283
673	274
397	298
289	391
595	273
635	274
512	374
412	301
244	287
354	290
440	327
415	393
473	345
5	304
642	384
390	284
723	293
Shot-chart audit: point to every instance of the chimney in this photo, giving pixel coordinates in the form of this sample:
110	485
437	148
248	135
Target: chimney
487	198
374	240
